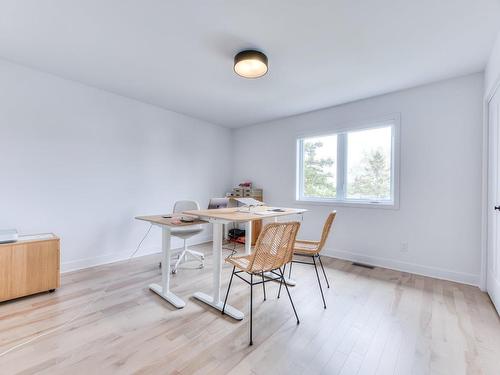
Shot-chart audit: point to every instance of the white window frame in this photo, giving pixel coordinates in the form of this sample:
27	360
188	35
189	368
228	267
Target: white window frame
393	120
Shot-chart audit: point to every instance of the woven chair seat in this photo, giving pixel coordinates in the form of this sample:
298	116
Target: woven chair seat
306	247
240	262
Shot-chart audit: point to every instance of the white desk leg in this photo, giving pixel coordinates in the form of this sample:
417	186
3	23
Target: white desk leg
248	237
163	290
270	275
215	300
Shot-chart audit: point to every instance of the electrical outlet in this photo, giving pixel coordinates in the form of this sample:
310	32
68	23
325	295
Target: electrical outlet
404	247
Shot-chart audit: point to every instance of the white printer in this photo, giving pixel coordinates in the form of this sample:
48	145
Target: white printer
8	235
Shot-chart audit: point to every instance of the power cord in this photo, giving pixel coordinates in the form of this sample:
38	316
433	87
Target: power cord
232	250
140	243
84	310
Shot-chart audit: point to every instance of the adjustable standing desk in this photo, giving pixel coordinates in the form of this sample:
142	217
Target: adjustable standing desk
165	224
218	218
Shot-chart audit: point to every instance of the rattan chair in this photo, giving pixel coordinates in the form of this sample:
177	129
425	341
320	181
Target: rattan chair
272	251
312	249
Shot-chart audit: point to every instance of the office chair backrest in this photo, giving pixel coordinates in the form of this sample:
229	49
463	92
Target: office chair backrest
180	206
274	246
326	229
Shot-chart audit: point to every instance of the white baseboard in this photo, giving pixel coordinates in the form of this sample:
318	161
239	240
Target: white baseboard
117	257
438	273
418	269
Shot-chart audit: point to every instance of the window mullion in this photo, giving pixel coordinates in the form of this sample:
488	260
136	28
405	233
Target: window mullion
300	166
341	165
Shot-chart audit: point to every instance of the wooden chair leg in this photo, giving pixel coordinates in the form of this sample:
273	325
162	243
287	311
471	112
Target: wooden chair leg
324	273
227	293
319	281
289	296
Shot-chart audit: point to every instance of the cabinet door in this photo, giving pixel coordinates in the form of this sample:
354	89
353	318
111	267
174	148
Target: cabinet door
30	268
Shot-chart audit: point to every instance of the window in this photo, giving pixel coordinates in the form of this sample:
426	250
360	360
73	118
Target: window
320	167
356	166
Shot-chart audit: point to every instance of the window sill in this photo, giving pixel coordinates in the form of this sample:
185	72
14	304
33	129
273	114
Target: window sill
345	203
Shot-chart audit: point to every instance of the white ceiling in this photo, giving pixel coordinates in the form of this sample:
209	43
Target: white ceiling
179	54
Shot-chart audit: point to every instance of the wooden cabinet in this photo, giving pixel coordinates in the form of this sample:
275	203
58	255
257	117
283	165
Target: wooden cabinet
28	266
256	229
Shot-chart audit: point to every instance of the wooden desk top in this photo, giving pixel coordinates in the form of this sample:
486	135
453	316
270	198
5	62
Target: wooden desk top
241	214
171	222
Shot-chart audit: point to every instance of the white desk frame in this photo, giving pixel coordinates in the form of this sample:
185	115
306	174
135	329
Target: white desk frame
163	290
215	300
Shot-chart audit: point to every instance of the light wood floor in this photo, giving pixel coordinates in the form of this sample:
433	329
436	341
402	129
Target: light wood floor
377	322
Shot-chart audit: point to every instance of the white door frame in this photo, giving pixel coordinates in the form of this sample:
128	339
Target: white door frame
484	189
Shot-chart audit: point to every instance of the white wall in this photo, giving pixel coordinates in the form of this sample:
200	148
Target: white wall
82	163
440	196
492	71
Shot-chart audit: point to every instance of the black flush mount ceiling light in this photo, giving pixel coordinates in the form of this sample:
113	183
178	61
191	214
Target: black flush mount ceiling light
250	64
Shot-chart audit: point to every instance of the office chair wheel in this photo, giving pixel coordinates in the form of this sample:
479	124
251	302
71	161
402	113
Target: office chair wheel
201	266
174	271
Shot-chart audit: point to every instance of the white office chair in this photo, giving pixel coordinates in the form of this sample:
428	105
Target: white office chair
187	232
